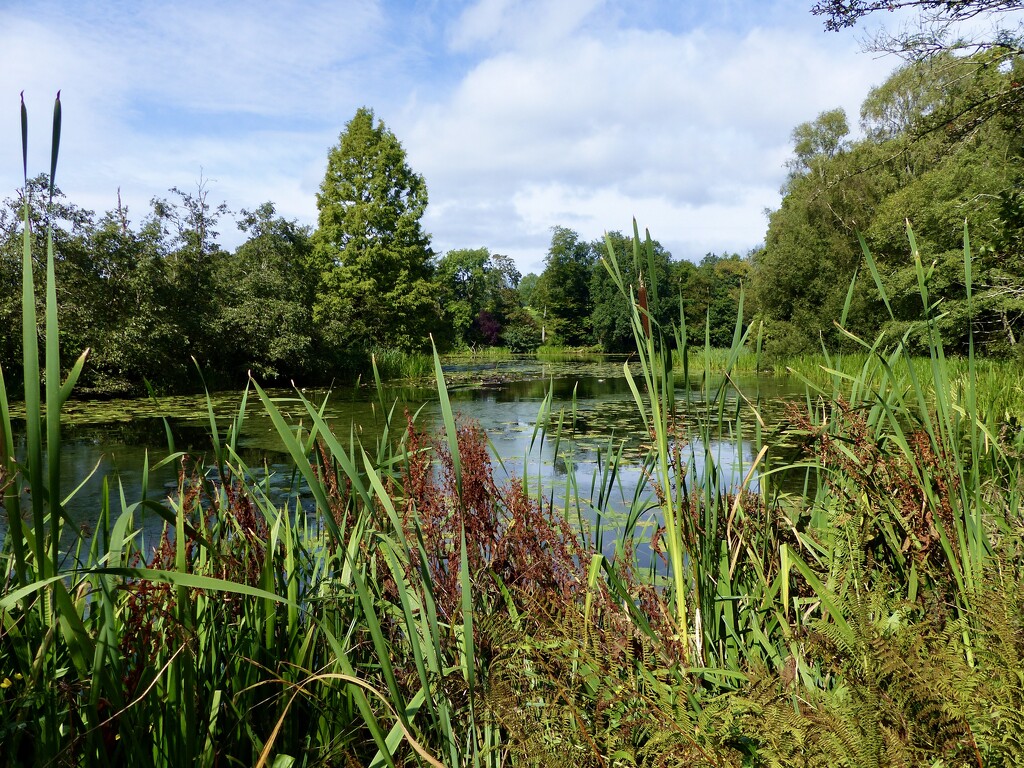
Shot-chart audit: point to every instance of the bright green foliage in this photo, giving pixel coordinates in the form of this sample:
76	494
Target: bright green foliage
373	257
811	251
462	282
711	293
479	295
951	180
527	287
928	158
817	142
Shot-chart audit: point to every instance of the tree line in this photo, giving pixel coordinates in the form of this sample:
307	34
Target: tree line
940	147
941	150
161	300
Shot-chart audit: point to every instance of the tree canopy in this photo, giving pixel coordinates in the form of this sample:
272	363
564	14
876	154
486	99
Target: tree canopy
903	170
373	257
562	293
293	303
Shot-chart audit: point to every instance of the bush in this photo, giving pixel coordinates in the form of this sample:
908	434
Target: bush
521	332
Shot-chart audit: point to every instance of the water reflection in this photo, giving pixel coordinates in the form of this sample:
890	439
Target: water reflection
566	448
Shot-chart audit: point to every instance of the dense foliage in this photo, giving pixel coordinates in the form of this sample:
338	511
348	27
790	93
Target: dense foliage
940	145
426	613
927	157
291	303
853	595
372	256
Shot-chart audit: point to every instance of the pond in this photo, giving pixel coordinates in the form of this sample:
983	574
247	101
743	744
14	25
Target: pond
591	409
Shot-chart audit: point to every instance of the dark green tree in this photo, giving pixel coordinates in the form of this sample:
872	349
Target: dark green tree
372	255
479	293
503	278
562	295
461	278
269	291
135	335
188	237
711	295
115	294
77	296
610	314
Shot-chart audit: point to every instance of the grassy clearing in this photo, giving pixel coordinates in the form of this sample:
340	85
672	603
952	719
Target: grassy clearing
426	614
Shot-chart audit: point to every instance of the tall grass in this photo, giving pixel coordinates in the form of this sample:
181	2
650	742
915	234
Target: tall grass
485	354
417	611
567	354
223	643
392	364
717	359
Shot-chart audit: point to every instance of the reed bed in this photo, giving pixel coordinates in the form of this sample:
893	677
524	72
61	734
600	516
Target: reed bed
395	364
426	613
568	354
481	354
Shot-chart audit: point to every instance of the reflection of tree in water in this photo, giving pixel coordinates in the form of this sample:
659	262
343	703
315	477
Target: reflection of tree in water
143	431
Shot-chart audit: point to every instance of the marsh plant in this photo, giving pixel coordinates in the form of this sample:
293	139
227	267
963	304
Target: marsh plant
427	613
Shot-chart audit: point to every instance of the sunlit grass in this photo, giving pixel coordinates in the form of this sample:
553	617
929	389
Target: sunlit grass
414	611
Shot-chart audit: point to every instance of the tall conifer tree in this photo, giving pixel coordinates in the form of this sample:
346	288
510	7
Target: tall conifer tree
372	253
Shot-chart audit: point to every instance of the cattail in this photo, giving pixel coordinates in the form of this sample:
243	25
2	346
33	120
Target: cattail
645	317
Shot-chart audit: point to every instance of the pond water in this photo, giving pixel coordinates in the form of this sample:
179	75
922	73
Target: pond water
591	400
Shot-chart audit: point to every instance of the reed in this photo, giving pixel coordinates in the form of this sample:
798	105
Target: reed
396	364
485	354
567	354
857	604
715	360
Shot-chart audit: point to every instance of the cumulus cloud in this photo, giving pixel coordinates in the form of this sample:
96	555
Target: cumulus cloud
521	114
689	128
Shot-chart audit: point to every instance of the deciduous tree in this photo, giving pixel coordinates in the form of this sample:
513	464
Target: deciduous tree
610	316
268	292
563	290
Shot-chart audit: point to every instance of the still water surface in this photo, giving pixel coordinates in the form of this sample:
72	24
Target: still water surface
592	401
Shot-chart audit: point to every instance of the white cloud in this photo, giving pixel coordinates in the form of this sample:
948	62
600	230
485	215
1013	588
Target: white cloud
521	114
502	24
689	128
156	95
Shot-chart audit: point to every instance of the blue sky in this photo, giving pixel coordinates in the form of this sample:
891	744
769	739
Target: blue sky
520	114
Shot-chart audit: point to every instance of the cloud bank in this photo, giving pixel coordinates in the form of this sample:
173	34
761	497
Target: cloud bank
521	114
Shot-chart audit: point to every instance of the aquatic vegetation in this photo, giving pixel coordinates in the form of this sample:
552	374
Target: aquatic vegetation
412	609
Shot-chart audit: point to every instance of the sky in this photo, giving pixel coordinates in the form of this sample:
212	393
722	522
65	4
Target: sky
521	115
